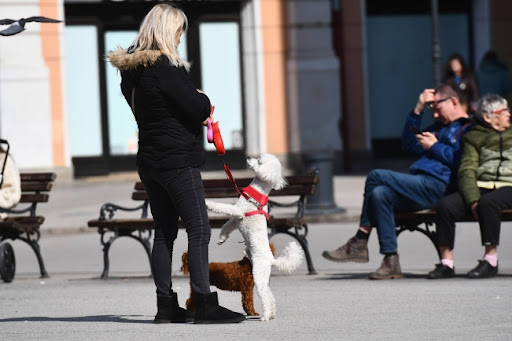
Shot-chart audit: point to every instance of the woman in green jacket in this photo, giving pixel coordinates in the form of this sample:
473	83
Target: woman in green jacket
485	187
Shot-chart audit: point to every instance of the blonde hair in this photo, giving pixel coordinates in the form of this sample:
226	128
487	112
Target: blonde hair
158	31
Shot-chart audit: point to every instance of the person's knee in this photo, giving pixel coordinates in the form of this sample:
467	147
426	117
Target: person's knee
374	175
486	205
443	206
381	194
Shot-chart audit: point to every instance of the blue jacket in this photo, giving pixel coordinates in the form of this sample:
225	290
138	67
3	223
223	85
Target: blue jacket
443	158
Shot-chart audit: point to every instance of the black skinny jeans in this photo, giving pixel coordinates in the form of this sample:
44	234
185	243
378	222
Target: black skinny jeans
452	208
175	193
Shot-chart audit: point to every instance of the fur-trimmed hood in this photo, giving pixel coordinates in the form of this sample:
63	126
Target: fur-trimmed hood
124	61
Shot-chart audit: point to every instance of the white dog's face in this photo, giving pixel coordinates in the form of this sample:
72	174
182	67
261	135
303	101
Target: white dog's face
268	168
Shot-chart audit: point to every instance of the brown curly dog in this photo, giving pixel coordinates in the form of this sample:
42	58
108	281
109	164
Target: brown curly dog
231	276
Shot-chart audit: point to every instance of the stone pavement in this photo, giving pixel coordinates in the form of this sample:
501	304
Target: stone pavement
337	304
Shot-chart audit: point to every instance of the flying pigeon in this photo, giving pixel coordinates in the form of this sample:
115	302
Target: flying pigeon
17	26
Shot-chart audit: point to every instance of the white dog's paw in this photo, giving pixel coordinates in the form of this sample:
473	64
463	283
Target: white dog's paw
209	204
267	318
222	239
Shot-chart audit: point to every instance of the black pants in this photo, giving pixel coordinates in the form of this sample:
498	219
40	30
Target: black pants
175	193
452	208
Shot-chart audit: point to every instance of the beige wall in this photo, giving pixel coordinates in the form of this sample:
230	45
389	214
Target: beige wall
272	23
51	52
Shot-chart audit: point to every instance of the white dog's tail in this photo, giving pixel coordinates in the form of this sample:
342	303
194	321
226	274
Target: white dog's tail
291	258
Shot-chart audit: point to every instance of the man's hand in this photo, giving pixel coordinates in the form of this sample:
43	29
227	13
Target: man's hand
426	96
426	139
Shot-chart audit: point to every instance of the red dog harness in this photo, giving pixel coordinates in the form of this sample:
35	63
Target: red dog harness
261	199
249	193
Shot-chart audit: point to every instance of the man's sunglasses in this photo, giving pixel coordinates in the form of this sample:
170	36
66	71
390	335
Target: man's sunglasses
433	104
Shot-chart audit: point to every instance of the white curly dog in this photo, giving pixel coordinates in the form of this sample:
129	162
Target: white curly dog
249	215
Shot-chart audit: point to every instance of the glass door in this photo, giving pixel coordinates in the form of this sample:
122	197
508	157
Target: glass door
82	89
221	79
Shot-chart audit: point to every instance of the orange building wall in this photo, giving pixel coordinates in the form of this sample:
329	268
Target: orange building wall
52	57
273	30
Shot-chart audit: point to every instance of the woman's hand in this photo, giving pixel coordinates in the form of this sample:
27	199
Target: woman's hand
474	209
205	123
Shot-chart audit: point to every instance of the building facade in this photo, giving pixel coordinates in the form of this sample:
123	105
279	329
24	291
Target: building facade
293	78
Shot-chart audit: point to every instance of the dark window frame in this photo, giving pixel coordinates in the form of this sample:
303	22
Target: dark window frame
117	16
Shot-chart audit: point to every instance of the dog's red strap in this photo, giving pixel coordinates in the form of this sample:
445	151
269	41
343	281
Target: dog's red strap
249	192
261	198
258	211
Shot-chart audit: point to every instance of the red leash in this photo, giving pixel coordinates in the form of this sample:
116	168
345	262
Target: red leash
213	136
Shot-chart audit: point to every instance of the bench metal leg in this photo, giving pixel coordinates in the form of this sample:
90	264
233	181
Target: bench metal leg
106	248
147	246
301	238
144	240
432	235
32	239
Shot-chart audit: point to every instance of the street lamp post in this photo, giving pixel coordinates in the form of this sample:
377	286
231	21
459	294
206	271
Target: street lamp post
436	48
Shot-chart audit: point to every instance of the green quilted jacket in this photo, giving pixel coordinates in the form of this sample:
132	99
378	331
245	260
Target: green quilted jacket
486	156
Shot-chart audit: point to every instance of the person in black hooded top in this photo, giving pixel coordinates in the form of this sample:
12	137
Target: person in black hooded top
170	113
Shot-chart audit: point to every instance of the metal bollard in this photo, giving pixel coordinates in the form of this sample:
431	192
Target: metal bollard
323	201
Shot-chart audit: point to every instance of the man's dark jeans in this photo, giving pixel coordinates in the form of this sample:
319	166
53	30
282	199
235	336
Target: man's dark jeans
387	192
175	193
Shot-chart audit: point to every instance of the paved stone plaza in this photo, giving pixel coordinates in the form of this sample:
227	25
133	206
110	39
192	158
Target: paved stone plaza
337	304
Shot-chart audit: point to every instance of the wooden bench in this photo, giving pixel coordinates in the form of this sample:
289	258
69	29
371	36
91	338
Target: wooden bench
22	222
140	228
424	222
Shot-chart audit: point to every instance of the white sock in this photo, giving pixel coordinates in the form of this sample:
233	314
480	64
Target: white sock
491	259
447	262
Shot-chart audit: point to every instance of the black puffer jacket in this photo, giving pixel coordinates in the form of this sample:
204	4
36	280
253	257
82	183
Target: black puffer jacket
168	109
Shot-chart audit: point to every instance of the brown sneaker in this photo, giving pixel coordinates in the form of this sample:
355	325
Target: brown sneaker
354	250
389	269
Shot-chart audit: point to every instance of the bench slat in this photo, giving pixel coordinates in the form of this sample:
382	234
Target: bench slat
38	176
131	224
21	224
29	198
428	216
294	180
144	224
44	186
231	192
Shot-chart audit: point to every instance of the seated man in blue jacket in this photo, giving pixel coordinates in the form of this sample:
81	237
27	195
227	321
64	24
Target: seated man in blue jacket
431	176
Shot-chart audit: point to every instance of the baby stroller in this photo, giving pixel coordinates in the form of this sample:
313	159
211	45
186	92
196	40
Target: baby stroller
7	259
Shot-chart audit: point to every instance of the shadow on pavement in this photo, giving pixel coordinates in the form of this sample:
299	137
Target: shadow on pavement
96	318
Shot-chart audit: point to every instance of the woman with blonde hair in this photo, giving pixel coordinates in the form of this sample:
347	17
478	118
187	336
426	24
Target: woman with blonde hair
170	113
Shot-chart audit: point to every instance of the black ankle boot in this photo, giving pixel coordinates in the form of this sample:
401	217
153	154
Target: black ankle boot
208	311
170	312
